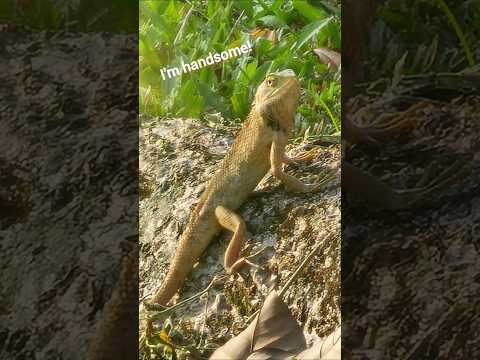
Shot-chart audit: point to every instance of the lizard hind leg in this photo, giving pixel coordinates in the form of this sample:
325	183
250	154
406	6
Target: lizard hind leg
234	223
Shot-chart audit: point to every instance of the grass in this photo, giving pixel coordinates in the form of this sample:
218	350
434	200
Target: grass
76	15
283	35
433	35
458	30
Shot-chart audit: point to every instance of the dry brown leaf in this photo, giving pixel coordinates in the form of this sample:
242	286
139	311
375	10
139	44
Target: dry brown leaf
237	348
267	34
273	332
329	57
328	348
271	354
276	327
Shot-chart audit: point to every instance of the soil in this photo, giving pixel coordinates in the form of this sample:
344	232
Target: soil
410	278
68	211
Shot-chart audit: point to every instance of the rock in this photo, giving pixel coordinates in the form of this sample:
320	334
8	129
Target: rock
177	157
69	207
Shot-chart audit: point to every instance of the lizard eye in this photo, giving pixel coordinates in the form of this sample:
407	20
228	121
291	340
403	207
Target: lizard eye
270	82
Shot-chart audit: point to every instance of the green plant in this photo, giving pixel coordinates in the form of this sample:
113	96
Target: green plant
458	30
282	34
415	33
80	15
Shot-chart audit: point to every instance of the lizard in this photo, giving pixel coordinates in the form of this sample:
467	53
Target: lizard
258	148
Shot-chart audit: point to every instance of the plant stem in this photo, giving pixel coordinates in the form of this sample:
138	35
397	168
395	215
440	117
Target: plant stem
461	36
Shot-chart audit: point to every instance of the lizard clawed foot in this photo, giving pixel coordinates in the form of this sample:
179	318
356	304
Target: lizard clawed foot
233	222
324	178
306	156
237	265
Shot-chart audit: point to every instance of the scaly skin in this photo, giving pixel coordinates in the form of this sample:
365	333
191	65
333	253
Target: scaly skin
259	147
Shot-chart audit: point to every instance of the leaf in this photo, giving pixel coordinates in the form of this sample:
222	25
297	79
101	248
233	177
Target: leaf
242	5
312	13
239	102
166	341
271	354
276	328
329	57
327	348
273	21
262	71
398	70
310	31
238	347
397	20
262	47
190	102
273	332
431	55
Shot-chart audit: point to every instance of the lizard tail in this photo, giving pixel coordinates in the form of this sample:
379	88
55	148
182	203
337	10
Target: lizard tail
114	337
173	281
193	242
180	266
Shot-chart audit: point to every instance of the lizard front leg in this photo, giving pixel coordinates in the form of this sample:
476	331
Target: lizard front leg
277	158
306	156
234	223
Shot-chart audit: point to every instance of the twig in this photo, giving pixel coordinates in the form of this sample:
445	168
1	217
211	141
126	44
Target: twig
296	273
233	27
327	140
300	268
184	22
205	313
458	30
159	309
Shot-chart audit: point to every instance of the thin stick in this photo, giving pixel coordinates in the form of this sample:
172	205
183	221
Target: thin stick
182	26
296	273
300	267
162	310
233	28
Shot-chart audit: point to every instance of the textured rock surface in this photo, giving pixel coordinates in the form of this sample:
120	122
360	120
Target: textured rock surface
176	158
410	278
66	206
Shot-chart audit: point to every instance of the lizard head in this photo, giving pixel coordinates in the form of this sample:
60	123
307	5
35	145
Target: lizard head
277	97
283	84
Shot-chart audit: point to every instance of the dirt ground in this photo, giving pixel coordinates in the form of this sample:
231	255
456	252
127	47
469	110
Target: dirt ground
68	211
410	278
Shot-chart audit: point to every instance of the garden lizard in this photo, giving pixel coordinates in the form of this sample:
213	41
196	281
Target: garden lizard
258	148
